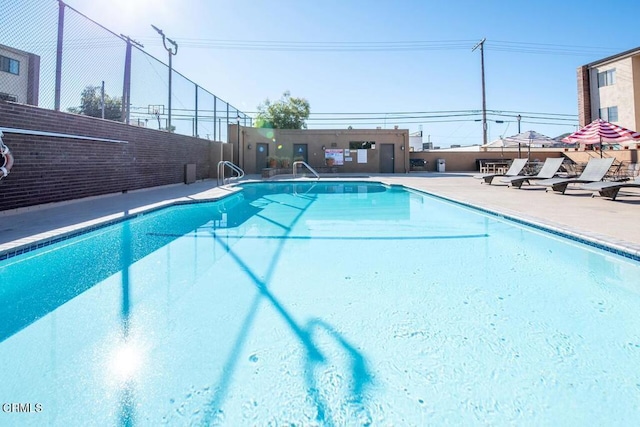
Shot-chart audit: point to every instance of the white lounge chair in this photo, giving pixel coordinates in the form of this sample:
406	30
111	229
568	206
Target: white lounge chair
595	170
549	170
609	188
515	169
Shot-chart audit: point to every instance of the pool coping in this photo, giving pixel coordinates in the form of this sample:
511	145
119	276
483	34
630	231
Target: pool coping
618	247
31	243
37	241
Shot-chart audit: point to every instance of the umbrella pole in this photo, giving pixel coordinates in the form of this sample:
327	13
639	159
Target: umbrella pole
519	152
600	146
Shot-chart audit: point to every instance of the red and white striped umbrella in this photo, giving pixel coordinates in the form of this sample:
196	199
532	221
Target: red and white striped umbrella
599	131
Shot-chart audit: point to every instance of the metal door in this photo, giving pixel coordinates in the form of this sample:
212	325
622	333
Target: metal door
300	150
262	152
386	158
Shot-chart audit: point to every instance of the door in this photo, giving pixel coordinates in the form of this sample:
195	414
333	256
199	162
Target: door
300	150
262	152
386	158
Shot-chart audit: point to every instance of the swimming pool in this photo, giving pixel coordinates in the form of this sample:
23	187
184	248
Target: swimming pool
319	303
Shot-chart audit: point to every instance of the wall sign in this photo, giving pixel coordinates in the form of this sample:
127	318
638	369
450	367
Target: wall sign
337	154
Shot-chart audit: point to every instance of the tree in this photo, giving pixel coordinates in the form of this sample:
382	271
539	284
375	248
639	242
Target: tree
287	113
90	105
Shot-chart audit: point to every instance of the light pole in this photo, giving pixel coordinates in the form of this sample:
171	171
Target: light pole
171	53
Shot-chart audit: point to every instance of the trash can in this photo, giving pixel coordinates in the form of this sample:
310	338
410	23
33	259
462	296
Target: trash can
440	165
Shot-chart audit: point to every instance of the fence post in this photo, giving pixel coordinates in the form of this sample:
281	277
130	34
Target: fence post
215	111
61	7
126	86
102	99
195	132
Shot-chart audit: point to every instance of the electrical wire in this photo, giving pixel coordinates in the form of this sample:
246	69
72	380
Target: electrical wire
398	46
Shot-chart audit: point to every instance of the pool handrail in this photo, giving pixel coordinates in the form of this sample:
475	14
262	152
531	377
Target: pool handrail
235	168
305	164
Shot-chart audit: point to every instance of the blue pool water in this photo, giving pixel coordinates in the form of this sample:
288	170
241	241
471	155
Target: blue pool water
320	304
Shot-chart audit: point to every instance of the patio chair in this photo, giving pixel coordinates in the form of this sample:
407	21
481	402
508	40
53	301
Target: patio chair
610	188
514	170
549	170
595	170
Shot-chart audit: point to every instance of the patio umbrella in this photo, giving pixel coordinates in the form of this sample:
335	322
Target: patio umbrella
496	143
599	131
529	138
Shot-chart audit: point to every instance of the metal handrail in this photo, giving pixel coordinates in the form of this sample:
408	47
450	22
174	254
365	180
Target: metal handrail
300	162
296	193
233	167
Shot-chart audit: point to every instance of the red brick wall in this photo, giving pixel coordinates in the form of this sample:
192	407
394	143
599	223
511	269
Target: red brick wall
584	96
52	169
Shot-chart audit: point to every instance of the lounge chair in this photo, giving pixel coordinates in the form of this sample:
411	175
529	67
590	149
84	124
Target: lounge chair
595	170
516	168
610	188
549	170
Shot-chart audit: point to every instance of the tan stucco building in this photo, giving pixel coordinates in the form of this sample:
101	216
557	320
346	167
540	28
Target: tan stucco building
352	150
19	76
610	89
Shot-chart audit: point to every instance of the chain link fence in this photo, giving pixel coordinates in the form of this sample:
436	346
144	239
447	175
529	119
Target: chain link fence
54	57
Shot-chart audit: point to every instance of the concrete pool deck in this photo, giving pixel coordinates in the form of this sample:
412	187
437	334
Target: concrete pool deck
613	223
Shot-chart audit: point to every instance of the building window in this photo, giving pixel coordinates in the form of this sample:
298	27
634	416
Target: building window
9	65
7	97
607	78
360	145
609	114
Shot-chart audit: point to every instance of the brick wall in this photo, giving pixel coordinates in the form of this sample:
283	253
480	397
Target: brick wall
584	96
52	169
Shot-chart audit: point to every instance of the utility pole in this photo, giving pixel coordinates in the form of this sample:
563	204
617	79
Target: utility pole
171	53
484	99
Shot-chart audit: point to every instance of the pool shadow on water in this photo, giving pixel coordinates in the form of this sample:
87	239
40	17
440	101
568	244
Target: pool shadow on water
127	402
359	379
31	291
358	376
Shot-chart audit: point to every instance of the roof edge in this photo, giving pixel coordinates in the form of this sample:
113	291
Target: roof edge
629	52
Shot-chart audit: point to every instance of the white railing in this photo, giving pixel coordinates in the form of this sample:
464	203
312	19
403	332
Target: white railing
235	168
59	135
300	162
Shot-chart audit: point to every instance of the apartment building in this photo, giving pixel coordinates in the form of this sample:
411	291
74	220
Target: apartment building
19	76
610	89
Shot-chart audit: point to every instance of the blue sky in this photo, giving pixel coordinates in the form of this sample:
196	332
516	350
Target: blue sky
446	76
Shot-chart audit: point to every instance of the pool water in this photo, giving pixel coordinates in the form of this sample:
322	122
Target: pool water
320	304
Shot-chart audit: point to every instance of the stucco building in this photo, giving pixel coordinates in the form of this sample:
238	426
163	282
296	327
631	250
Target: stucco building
352	150
610	89
19	76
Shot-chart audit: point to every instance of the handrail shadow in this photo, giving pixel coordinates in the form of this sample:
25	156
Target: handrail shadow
314	356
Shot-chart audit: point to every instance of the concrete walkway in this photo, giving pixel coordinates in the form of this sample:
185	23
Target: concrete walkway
614	223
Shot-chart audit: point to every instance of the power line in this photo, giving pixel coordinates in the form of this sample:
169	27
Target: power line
545	48
389	113
376	46
337	46
368	121
408	115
